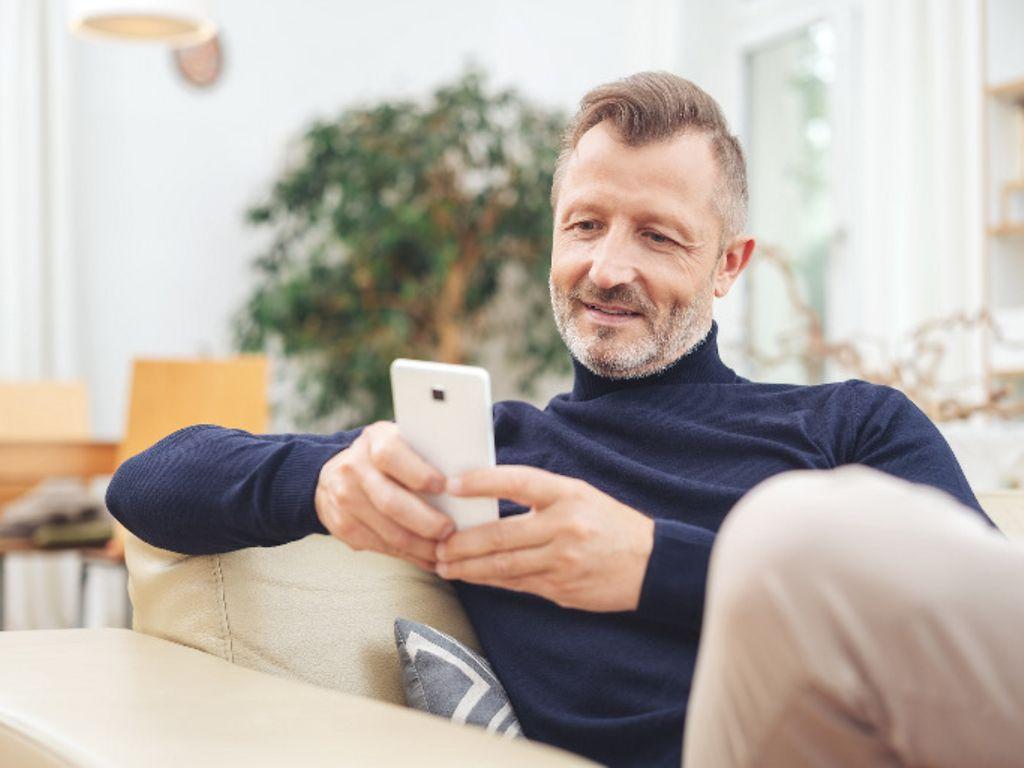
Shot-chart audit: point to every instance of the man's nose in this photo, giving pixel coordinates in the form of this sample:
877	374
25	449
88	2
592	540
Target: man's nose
611	263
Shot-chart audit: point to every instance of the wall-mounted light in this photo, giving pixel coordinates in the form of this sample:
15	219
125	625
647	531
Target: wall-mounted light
173	22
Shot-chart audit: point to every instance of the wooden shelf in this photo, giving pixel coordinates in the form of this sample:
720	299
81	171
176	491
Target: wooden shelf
24	463
1008	373
28	460
1009	91
1007	230
93	553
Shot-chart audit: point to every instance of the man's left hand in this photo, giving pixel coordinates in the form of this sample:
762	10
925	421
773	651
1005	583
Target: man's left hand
576	546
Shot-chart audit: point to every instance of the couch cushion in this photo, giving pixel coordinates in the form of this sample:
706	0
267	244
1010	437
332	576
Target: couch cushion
313	610
114	698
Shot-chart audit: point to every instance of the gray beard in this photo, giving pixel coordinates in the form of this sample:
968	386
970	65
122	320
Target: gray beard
605	354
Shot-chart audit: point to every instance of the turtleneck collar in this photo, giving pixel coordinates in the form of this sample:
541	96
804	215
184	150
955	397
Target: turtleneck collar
701	365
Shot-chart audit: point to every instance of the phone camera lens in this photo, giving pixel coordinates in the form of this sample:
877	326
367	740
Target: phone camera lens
437	393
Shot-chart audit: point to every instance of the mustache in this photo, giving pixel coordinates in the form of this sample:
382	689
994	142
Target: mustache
628	296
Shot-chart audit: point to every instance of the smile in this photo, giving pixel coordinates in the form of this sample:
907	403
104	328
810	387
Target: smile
610	314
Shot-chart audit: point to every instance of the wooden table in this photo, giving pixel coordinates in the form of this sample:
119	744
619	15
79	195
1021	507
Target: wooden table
25	463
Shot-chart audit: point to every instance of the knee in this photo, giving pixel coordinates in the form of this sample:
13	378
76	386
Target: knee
795	528
784	522
806	496
791	517
806	534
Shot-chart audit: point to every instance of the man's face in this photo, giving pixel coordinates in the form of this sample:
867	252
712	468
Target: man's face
634	260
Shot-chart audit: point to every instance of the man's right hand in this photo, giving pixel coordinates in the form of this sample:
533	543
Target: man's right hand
366	496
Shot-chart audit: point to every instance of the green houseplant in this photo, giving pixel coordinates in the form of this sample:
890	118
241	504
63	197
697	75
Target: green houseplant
391	234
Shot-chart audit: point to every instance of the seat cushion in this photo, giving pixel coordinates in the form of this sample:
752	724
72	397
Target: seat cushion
114	698
313	610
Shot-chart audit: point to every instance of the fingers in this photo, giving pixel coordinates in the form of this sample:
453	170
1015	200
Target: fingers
423	565
501	568
393	456
403	507
366	509
347	512
360	537
399	541
529	486
516	532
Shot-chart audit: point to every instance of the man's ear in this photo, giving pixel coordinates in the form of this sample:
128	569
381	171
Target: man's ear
733	261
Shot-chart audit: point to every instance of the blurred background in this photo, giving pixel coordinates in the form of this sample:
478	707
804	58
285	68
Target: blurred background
240	211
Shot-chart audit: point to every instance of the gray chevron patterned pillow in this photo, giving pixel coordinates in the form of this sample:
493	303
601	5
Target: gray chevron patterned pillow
444	677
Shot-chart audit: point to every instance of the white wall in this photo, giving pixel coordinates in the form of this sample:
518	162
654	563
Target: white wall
162	173
1004	52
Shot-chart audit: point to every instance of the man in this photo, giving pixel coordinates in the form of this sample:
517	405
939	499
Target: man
587	595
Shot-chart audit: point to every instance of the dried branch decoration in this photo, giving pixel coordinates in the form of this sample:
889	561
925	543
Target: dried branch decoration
916	372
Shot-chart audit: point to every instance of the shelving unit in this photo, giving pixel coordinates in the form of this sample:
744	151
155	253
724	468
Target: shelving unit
1006	230
1003	170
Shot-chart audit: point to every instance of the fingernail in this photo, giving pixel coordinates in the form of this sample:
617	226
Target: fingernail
455	485
441	551
441	569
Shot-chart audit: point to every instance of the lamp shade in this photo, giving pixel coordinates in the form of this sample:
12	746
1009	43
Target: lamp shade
177	22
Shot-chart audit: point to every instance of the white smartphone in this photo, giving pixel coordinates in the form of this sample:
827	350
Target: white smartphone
444	413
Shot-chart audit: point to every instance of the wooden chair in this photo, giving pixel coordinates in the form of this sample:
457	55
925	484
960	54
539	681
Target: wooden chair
167	395
44	432
44	410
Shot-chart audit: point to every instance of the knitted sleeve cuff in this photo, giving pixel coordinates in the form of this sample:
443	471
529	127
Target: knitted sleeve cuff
673	587
291	507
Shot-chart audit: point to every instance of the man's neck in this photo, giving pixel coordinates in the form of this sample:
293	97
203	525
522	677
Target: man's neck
699	365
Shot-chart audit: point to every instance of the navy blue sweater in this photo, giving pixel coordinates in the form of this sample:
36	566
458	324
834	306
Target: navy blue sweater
682	446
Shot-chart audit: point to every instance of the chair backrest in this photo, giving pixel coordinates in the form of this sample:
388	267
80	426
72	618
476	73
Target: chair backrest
44	410
44	432
167	395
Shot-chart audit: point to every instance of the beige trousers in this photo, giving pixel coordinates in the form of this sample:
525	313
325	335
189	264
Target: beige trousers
854	619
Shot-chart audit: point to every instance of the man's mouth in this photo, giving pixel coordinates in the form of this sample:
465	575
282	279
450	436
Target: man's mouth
610	312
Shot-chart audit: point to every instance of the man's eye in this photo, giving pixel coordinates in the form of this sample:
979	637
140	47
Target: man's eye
585	226
660	239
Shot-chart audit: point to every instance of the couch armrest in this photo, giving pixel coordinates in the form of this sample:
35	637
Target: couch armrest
112	697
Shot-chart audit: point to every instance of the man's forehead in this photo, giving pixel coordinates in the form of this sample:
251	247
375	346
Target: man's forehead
679	171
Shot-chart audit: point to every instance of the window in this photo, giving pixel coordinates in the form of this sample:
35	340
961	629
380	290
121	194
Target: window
789	141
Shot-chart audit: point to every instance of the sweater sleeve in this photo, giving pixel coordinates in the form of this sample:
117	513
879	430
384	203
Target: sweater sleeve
206	489
673	587
896	437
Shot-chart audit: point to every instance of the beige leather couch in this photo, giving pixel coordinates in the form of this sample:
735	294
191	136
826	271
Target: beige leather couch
281	656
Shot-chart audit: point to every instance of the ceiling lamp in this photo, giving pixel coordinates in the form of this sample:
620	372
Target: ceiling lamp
176	22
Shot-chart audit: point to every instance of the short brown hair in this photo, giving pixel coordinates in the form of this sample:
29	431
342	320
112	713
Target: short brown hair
654	106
